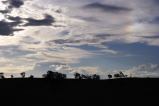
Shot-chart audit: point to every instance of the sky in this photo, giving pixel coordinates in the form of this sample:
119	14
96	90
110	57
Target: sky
86	36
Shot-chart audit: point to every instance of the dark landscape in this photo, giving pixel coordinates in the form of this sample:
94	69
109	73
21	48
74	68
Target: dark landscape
48	92
79	52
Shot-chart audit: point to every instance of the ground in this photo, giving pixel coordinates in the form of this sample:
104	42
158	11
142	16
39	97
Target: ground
40	92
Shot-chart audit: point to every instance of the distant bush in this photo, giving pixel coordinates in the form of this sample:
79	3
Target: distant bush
54	75
2	76
89	77
120	75
23	74
110	76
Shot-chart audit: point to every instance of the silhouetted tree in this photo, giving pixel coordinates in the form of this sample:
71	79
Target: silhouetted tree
50	75
2	76
117	75
63	76
96	77
55	75
77	76
126	76
44	75
31	77
110	76
84	76
120	75
22	74
12	76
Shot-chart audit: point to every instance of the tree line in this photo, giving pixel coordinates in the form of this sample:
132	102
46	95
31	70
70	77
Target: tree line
58	76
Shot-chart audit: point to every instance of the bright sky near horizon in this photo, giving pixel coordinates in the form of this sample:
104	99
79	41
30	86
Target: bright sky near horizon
85	36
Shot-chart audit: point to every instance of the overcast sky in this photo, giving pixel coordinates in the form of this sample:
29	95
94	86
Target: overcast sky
86	36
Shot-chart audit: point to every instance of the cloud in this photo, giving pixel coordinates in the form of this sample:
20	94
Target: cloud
155	20
14	3
43	67
13	51
144	70
29	40
8	28
70	70
107	7
47	21
4	11
59	30
10	5
150	37
16	69
14	58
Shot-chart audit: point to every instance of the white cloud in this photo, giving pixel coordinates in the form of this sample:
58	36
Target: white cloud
144	70
64	68
84	27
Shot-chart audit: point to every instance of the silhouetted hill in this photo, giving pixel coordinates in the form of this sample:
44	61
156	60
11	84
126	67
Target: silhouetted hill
44	92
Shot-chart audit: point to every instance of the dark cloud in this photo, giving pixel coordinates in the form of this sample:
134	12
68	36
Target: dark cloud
155	1
47	21
150	37
155	20
97	38
8	28
104	36
88	19
64	41
11	4
15	3
4	11
107	7
17	20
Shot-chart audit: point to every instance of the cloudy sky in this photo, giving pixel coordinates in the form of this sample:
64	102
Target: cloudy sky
85	36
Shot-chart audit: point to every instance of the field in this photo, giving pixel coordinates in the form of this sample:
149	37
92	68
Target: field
126	91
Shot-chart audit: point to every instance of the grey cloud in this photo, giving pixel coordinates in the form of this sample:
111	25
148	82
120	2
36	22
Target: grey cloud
64	68
4	11
107	7
155	20
44	66
64	33
148	68
8	28
29	40
15	3
11	4
156	1
62	41
144	70
47	21
41	67
93	38
13	51
104	36
15	19
150	37
88	19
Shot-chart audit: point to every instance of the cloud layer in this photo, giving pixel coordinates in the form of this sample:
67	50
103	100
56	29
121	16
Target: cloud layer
50	31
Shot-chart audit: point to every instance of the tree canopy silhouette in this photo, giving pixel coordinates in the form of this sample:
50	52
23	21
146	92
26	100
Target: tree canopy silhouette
2	76
54	75
23	74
